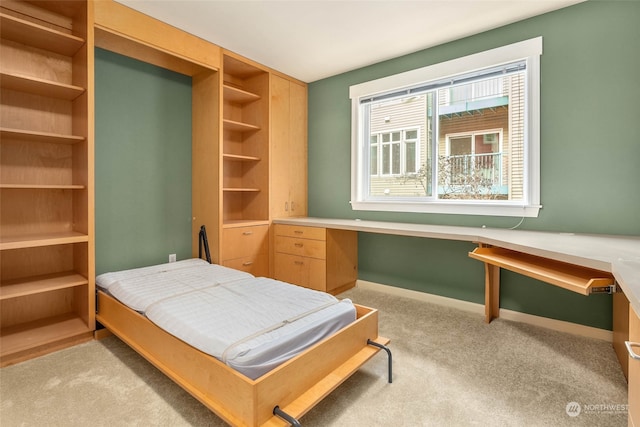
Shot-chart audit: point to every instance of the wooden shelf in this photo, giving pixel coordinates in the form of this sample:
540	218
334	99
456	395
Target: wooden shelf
49	239
244	223
41	87
39	333
42	187
238	158
26	135
568	276
240	69
239	126
241	190
38	284
31	34
239	96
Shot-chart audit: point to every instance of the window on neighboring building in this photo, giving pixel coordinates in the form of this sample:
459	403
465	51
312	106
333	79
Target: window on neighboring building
393	153
456	137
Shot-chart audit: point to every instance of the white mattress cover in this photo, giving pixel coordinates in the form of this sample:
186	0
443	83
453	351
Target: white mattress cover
139	289
105	280
252	325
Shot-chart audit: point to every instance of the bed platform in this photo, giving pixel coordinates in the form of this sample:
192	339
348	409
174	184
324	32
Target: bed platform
290	390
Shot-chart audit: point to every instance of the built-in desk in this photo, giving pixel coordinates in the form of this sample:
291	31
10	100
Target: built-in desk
577	262
618	255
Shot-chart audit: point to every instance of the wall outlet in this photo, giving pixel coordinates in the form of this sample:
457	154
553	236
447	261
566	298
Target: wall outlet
172	257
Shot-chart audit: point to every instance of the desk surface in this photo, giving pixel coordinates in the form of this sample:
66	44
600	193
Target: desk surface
619	255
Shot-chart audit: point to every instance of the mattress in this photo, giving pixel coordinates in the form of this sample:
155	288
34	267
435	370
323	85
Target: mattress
106	280
138	288
253	324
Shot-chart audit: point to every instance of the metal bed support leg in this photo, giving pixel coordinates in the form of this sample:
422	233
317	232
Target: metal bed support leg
288	418
385	348
203	241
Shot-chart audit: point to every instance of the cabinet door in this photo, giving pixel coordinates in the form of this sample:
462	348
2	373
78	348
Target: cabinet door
279	148
298	150
301	271
634	370
288	148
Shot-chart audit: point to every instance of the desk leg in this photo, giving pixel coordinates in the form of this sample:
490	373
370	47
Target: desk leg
491	292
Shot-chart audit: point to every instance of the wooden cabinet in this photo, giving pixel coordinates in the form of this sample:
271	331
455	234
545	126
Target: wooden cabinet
288	148
317	258
634	369
245	165
247	249
46	180
263	157
621	330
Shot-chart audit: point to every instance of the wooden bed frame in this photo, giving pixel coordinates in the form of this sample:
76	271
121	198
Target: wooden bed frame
295	386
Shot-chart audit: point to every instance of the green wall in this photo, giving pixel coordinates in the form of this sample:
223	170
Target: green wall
143	163
590	158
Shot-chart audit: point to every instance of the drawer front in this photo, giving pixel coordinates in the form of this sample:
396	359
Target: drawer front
301	271
243	242
258	266
315	233
301	247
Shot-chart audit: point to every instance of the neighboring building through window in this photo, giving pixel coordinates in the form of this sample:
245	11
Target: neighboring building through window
457	137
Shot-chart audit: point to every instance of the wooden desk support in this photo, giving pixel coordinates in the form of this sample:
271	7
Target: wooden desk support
568	276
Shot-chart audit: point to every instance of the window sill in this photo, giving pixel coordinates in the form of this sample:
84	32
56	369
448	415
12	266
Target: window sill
453	208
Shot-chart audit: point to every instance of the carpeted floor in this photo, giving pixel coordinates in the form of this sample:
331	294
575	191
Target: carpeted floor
450	369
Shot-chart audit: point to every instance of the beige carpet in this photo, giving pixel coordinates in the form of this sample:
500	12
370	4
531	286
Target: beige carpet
450	369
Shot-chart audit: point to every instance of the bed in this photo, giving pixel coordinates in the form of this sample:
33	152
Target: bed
190	319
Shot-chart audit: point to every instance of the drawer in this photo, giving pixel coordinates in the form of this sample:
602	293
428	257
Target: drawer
301	247
301	271
315	233
258	265
242	242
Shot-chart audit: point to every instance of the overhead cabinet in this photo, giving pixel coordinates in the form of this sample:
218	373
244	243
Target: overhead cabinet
46	178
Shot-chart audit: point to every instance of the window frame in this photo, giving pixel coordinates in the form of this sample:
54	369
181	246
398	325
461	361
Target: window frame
527	50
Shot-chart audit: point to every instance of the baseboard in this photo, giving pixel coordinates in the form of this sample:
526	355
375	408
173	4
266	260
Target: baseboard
100	334
515	316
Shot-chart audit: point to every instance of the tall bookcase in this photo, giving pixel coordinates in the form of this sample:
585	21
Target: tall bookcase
245	165
245	152
46	177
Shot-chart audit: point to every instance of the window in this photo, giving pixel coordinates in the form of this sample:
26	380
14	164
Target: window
395	152
457	137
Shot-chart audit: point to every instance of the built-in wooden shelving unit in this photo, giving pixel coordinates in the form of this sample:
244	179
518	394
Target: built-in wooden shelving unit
245	146
46	180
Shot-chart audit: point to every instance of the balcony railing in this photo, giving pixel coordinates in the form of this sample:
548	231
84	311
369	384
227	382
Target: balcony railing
471	170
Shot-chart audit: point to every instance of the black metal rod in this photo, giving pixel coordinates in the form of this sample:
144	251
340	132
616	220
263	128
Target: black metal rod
203	241
288	418
385	348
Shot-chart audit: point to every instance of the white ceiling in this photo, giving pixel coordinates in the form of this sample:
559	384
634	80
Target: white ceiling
314	39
